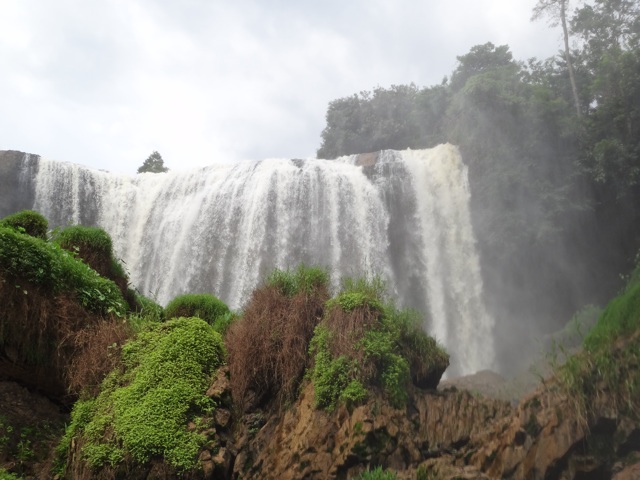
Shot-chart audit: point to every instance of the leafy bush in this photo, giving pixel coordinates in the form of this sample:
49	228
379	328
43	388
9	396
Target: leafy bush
148	309
268	345
143	410
334	378
205	306
43	264
27	221
427	359
377	474
92	244
303	279
364	342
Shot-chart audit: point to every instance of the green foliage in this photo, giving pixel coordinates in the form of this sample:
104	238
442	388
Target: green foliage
27	221
148	309
83	411
143	411
363	342
427	359
621	318
94	246
153	164
479	60
4	475
78	237
205	306
44	264
377	474
303	278
333	378
610	361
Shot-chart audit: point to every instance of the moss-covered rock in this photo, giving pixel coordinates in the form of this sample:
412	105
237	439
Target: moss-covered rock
364	342
145	409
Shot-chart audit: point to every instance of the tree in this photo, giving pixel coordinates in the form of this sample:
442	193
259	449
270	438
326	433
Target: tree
480	59
153	164
557	10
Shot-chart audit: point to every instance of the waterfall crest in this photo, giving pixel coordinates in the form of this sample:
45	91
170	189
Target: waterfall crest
221	229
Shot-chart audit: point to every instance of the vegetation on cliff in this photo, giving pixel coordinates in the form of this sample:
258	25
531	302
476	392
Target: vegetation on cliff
50	299
147	402
555	190
268	345
203	305
364	341
27	221
609	365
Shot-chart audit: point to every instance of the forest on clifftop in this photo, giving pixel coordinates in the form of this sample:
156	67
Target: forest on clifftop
553	150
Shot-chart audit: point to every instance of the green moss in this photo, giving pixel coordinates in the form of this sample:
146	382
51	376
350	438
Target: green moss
358	293
28	222
381	347
386	348
142	411
205	306
303	278
333	378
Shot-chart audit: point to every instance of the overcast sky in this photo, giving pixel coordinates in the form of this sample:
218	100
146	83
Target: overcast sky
104	83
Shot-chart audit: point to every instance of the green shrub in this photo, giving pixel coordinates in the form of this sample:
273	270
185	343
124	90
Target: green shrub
303	278
377	474
427	359
148	309
143	411
44	264
93	245
27	221
78	238
205	306
364	342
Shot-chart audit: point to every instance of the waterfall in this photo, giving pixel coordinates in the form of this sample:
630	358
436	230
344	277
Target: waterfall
221	229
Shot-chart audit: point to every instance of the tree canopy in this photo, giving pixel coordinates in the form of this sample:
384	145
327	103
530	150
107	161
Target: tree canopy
553	149
153	164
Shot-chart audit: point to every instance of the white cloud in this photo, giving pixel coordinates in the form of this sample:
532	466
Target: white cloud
104	83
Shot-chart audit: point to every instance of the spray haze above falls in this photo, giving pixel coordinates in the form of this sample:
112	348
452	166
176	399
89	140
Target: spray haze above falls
403	215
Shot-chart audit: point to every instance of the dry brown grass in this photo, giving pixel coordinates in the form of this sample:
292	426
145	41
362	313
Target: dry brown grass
268	346
98	353
349	326
41	336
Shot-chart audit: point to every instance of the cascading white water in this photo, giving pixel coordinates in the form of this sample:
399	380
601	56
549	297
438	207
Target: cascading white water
221	229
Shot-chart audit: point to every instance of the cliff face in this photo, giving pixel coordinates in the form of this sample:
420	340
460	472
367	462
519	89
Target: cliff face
308	443
13	194
447	435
